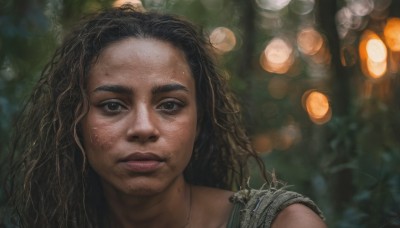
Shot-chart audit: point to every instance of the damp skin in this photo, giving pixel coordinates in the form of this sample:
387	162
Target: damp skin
141	126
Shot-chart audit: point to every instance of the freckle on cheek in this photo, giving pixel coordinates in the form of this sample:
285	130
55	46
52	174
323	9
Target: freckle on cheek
101	139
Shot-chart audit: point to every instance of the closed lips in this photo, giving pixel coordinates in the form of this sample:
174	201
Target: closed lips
139	156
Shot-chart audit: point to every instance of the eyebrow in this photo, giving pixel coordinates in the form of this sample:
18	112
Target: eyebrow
168	88
128	91
114	89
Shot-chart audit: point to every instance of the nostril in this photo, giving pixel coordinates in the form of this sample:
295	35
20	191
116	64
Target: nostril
153	138
143	138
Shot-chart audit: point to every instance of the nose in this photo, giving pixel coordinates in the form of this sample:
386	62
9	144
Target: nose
143	127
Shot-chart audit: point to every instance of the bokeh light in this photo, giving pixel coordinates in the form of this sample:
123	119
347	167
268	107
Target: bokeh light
277	57
136	3
270	20
373	55
7	72
323	56
317	106
347	21
309	41
376	50
392	33
393	62
287	136
280	139
223	39
273	5
262	143
376	69
302	7
360	7
382	5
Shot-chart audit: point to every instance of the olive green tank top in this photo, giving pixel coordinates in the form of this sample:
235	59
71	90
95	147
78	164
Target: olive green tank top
258	208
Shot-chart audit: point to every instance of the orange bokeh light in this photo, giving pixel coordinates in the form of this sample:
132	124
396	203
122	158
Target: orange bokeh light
277	57
137	3
392	34
317	106
223	39
310	41
373	55
376	69
262	143
376	50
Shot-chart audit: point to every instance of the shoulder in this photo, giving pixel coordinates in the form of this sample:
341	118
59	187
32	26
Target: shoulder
298	215
211	206
211	194
267	207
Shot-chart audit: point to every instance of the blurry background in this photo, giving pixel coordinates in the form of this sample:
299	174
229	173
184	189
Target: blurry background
318	81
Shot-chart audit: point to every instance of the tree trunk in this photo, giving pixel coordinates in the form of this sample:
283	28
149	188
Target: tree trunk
341	182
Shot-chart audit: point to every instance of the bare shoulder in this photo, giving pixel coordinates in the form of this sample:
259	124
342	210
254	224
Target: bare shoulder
212	206
298	215
207	192
206	196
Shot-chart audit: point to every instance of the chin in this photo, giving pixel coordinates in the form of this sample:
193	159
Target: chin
144	188
143	192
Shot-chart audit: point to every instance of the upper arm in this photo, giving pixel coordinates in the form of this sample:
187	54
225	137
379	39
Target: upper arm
299	216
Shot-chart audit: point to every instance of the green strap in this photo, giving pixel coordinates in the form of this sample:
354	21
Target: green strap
234	218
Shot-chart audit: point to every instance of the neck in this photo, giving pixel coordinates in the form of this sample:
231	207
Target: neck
166	209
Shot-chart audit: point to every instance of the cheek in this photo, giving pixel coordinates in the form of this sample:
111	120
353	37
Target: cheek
101	139
185	134
97	137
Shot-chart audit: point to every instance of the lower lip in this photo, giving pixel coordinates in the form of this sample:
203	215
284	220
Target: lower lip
142	166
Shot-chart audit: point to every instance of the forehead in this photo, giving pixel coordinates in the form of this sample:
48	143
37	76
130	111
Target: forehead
140	58
142	49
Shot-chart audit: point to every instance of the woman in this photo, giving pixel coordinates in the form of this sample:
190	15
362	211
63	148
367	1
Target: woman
131	125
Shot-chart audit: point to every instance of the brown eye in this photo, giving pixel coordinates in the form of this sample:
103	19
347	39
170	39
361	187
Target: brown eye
111	107
171	107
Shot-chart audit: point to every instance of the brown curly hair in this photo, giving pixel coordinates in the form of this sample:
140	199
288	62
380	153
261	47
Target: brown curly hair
51	183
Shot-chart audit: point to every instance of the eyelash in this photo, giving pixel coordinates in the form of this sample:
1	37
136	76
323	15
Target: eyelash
177	105
105	106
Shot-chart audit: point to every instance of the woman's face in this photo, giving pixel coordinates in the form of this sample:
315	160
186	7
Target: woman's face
141	126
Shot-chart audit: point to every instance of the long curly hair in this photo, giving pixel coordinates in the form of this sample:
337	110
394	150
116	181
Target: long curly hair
51	183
